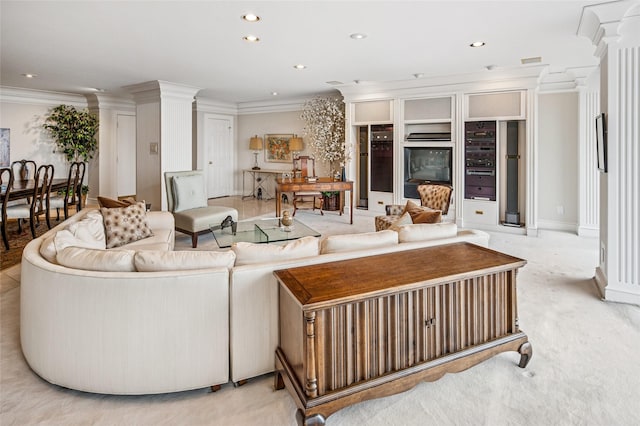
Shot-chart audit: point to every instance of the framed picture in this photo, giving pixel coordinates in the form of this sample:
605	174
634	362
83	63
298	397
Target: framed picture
276	148
601	142
5	146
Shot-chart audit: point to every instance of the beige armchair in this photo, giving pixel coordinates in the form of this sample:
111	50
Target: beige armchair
187	200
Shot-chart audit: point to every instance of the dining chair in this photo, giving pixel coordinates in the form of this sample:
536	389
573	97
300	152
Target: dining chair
72	195
306	199
6	182
38	204
23	169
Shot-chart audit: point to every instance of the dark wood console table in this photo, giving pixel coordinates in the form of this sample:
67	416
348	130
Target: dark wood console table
321	185
364	328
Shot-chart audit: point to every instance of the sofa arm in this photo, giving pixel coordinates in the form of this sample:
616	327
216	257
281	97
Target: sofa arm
160	220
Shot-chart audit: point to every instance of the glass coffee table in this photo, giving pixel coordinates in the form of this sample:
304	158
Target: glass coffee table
266	231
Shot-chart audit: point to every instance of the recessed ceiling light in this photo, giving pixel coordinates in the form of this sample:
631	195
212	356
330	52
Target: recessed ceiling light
299	67
358	36
274	93
477	44
251	38
30	75
250	17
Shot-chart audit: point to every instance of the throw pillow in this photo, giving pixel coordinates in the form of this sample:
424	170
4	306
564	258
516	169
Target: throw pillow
188	192
159	260
110	203
249	253
125	224
350	242
421	214
405	219
97	260
426	231
89	228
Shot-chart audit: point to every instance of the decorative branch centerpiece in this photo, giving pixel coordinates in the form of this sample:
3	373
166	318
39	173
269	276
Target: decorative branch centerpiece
324	119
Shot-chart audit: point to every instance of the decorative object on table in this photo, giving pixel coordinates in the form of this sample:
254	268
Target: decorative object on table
287	176
276	149
331	200
74	132
287	220
295	146
325	127
5	147
255	144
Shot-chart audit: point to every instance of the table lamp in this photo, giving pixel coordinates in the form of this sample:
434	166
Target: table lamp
295	145
255	143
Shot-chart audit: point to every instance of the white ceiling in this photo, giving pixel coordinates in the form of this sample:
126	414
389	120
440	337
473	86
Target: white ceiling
77	46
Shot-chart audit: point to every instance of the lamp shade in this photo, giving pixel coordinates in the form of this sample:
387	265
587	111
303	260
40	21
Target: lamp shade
255	143
295	144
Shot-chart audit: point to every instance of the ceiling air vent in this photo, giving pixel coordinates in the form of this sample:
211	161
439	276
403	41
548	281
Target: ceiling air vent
534	60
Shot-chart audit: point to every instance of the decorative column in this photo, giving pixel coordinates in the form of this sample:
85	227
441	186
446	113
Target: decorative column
615	30
164	125
588	179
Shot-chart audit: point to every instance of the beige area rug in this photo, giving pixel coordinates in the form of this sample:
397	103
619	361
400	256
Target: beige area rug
584	369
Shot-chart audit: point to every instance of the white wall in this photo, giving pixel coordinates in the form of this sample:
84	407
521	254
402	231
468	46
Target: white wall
558	159
288	122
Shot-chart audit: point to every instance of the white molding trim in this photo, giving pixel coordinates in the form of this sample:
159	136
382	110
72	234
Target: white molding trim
281	105
103	101
156	90
556	225
588	232
17	95
208	105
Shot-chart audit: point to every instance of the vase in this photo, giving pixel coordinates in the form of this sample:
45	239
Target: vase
287	220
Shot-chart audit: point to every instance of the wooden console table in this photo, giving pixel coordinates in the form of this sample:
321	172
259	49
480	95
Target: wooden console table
322	184
364	328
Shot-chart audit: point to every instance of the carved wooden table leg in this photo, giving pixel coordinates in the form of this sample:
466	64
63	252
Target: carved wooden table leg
215	388
315	420
526	352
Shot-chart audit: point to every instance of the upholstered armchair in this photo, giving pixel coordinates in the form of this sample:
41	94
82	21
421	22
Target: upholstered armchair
187	200
435	197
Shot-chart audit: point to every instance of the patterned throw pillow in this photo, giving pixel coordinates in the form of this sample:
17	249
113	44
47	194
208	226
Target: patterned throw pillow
125	225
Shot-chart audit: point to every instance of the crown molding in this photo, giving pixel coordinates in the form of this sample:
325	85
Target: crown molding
157	90
17	95
601	23
203	104
104	101
281	105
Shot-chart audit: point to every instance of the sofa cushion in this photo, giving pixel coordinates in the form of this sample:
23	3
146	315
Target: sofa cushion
426	231
151	261
248	253
97	260
188	192
421	214
350	242
48	248
89	228
125	224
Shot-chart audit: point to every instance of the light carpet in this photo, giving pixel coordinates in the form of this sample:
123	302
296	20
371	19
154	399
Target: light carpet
584	370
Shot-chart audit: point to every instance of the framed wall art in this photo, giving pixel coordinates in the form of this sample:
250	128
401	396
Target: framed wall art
5	146
276	148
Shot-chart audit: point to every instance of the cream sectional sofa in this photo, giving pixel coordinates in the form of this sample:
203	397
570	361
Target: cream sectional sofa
118	331
143	318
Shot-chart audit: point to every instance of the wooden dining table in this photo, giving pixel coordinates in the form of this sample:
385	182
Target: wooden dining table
23	188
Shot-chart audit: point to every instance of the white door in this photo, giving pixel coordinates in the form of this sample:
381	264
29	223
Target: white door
218	156
126	155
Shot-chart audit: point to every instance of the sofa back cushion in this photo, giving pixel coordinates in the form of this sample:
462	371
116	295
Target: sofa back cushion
350	242
188	192
125	224
97	260
248	253
426	231
156	260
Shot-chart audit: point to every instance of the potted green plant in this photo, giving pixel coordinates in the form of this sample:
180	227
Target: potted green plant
74	132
